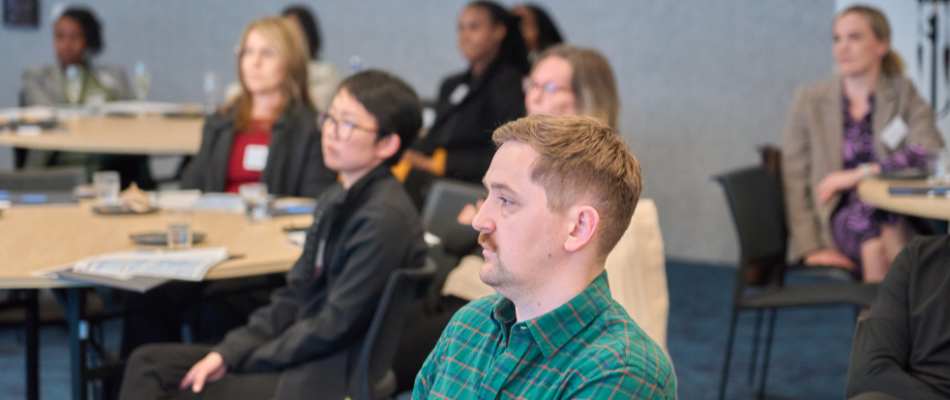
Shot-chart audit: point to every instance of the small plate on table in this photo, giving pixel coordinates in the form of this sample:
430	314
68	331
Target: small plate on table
904	174
161	238
121	210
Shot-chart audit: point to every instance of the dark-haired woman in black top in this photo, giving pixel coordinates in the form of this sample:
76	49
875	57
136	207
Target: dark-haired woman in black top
537	28
322	77
473	103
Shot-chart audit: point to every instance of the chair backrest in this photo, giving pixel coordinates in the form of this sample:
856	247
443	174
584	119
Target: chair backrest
374	378
860	331
50	179
440	214
759	217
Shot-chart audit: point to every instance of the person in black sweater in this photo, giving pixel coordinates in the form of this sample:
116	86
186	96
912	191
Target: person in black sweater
902	349
537	28
303	343
473	103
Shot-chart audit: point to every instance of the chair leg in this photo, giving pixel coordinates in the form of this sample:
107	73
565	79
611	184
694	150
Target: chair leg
729	343
768	352
755	346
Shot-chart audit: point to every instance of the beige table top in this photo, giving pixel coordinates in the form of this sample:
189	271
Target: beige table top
148	134
874	191
42	237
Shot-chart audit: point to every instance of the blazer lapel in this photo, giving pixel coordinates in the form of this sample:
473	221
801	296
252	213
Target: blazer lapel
56	78
298	155
834	123
274	169
218	173
885	109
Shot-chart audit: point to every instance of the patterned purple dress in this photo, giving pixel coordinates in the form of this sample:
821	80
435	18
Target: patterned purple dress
854	221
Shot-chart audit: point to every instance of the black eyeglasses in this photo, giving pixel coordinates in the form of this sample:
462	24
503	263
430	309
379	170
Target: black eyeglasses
342	130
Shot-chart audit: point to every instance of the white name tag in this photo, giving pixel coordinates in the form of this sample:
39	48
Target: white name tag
255	157
105	79
458	94
894	133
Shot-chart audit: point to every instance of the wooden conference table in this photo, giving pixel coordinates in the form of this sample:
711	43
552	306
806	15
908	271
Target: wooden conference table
147	134
875	192
43	237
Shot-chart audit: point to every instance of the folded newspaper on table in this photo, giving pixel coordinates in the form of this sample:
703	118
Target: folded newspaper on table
189	265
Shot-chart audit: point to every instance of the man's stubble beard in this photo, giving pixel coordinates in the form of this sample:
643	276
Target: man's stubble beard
498	277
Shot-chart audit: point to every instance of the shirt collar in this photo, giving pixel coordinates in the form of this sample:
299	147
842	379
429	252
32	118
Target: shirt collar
556	328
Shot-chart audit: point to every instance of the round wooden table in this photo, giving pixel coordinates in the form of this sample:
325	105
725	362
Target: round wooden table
147	134
875	192
42	237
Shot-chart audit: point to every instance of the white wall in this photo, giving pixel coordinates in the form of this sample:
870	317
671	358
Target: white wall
703	83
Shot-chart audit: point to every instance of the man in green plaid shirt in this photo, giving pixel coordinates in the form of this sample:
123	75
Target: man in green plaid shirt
562	191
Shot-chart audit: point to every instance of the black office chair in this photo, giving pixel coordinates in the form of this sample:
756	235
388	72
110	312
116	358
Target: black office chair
759	217
440	213
374	378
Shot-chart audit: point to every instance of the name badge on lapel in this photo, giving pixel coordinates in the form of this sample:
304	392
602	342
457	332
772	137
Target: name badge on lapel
894	133
106	79
255	157
458	94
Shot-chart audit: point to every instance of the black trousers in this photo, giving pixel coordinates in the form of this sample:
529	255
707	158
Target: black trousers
210	308
154	372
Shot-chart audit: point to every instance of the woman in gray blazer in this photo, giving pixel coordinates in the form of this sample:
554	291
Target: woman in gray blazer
865	120
77	36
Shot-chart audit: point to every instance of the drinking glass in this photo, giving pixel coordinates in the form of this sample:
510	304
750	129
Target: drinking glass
142	81
255	201
106	186
180	234
73	84
211	92
94	101
938	167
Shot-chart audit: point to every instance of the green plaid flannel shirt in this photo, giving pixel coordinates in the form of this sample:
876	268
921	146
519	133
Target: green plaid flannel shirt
588	348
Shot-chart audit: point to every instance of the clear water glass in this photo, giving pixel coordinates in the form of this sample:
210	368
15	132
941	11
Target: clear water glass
142	81
180	234
211	92
938	167
73	84
94	101
255	201
106	186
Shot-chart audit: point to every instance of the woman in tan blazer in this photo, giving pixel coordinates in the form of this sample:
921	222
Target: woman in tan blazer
865	120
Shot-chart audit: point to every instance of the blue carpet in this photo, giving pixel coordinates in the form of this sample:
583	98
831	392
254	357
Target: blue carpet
810	349
809	357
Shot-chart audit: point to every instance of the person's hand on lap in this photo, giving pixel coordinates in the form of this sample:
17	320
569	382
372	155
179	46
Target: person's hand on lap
829	258
467	215
209	369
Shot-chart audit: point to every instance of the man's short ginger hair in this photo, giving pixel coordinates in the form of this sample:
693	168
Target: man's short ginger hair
581	159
